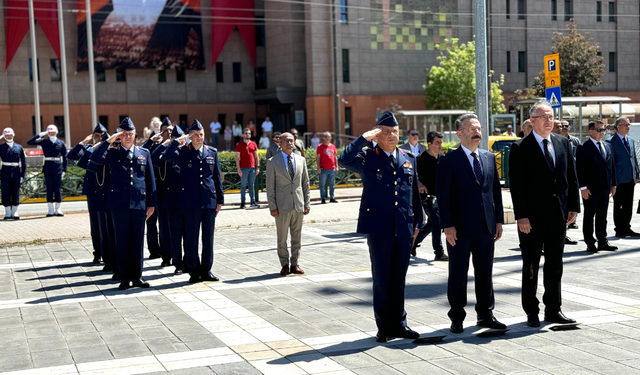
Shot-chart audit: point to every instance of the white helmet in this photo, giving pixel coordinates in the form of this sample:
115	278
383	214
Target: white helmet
8	131
52	128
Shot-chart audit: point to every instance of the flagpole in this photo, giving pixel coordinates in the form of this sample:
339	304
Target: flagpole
34	67
92	74
63	71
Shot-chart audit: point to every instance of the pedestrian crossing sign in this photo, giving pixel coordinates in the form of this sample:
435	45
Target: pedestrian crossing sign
554	97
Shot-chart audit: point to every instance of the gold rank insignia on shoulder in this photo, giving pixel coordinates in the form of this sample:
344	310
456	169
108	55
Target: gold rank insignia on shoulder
407	164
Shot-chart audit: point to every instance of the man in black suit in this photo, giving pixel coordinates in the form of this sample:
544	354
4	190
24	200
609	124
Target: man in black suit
470	206
597	178
544	191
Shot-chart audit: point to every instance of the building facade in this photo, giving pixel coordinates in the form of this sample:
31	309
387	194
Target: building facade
383	49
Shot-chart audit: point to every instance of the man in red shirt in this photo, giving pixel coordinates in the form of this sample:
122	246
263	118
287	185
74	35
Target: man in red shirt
327	161
248	166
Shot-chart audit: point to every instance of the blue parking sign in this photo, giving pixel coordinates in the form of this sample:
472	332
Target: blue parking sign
554	97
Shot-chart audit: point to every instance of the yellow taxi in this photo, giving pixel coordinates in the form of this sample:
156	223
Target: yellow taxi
497	143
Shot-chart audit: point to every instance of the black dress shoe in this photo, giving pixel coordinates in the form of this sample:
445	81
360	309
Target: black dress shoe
406	333
621	234
194	279
165	263
96	259
441	257
115	277
491	322
573	226
456	327
606	246
107	268
558	318
178	271
592	248
209	277
333	201
154	256
630	233
533	321
382	337
123	286
140	284
569	241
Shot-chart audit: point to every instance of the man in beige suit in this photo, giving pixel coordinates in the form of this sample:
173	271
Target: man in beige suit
289	200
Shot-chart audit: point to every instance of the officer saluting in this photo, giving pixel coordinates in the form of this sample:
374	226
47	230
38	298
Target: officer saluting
14	166
90	188
390	216
55	166
201	198
132	199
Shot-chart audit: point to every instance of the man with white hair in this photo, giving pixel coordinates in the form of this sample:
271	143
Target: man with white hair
55	166
14	166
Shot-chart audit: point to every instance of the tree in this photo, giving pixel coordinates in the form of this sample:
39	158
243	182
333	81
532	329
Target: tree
580	66
452	84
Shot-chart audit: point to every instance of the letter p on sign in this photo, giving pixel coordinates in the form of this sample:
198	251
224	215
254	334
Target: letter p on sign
552	65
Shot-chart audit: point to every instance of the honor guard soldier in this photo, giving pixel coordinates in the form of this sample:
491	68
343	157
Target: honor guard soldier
14	166
90	188
390	216
201	198
161	214
132	199
55	166
169	203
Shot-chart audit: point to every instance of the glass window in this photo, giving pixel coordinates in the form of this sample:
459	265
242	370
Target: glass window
104	120
261	78
345	66
101	76
508	62
508	8
31	71
344	11
612	11
162	75
522	12
598	11
554	10
121	118
33	123
59	122
260	31
121	75
237	72
522	61
219	72
347	120
567	10
181	76
498	146
612	62
55	70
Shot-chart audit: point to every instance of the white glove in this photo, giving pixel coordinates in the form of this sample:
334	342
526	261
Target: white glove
42	134
63	173
21	179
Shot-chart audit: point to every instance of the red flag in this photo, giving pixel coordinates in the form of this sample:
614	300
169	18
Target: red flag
227	15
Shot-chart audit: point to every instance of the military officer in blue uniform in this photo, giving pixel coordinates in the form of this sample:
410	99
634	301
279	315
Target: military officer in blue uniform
132	199
200	197
55	166
90	189
390	216
14	166
170	200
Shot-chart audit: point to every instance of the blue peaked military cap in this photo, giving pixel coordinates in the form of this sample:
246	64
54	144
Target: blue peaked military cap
127	124
101	130
166	122
177	132
196	125
387	119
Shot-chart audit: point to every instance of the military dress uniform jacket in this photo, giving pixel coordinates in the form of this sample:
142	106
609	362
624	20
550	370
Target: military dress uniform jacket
16	155
169	173
132	182
200	179
390	200
50	149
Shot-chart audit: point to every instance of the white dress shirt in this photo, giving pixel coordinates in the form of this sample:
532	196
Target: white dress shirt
604	149
470	158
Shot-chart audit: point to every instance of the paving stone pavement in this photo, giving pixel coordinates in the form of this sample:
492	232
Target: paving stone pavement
60	314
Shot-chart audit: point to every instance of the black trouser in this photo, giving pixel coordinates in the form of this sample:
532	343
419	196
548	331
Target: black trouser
152	234
623	206
482	249
194	218
178	235
597	205
431	227
548	233
165	233
108	240
129	230
94	225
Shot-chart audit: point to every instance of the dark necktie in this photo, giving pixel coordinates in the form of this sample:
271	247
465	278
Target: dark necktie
547	154
601	150
626	144
476	168
393	160
290	167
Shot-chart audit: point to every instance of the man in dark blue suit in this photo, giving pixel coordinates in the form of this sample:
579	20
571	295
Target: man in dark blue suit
390	216
14	167
597	178
55	166
201	198
627	172
470	206
132	199
544	191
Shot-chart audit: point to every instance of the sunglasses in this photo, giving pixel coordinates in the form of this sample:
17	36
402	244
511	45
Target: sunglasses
600	130
413	135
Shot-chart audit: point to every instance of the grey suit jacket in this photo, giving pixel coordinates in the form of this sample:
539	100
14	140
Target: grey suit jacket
421	148
626	164
283	193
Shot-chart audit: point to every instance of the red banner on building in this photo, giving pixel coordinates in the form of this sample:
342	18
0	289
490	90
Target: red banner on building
17	24
227	15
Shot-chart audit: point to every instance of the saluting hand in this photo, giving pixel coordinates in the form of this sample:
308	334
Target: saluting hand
452	235
157	137
88	139
113	138
371	134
